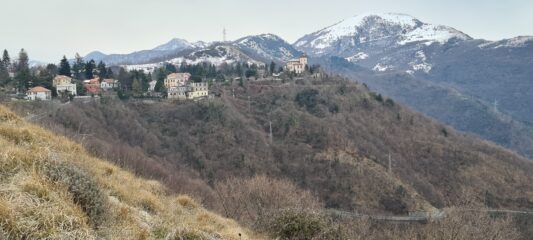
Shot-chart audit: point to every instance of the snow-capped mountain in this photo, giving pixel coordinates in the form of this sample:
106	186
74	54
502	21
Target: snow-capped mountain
180	44
375	30
256	49
267	47
216	54
159	53
382	42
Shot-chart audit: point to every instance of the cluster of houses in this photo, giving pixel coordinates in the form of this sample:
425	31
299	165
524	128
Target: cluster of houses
179	87
177	84
65	87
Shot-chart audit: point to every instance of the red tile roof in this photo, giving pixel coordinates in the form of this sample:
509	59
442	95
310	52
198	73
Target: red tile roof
39	89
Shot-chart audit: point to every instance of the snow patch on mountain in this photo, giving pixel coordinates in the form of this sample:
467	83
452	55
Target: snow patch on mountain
430	34
516	42
382	67
420	63
357	57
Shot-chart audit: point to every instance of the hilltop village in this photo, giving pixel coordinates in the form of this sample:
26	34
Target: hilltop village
172	82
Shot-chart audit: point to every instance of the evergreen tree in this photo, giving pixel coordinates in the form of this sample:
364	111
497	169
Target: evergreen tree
272	67
110	73
125	79
79	67
6	59
160	84
102	70
22	72
80	89
64	67
4	74
5	64
90	66
171	68
136	87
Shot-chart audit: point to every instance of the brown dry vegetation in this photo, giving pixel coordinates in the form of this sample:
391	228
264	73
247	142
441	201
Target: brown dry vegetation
50	188
331	141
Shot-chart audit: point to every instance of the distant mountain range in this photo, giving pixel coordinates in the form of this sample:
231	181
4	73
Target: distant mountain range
478	86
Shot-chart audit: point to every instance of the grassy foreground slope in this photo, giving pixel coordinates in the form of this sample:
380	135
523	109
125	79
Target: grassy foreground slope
50	188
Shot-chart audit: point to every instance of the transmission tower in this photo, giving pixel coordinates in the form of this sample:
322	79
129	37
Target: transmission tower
224	34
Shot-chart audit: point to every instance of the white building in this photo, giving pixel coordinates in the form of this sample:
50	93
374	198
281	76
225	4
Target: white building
190	91
39	93
109	84
64	85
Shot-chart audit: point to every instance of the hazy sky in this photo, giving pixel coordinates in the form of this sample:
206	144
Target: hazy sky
48	29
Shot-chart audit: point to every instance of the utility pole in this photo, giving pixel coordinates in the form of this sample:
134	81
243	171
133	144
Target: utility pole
390	165
270	126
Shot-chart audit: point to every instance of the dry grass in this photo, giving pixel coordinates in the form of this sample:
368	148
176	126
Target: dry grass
39	203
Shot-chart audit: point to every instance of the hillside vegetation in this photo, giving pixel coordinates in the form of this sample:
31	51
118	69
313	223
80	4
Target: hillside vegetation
51	188
330	147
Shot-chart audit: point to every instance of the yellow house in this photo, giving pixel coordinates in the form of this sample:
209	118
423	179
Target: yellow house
297	65
190	91
176	79
61	80
198	90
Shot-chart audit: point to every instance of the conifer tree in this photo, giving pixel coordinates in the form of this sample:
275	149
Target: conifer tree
272	67
6	59
160	84
110	73
78	68
136	87
102	70
4	74
90	66
22	71
64	67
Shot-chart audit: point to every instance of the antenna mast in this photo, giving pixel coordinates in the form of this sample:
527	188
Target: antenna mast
224	34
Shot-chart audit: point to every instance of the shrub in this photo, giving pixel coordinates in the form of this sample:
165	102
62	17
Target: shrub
84	190
255	201
310	99
188	234
297	225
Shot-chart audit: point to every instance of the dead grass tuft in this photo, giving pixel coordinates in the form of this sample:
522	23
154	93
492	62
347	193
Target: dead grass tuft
186	201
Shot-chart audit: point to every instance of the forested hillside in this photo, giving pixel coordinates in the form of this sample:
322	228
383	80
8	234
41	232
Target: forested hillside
332	137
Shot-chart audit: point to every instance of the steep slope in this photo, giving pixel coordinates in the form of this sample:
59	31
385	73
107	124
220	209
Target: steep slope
444	103
50	188
434	65
267	47
330	136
